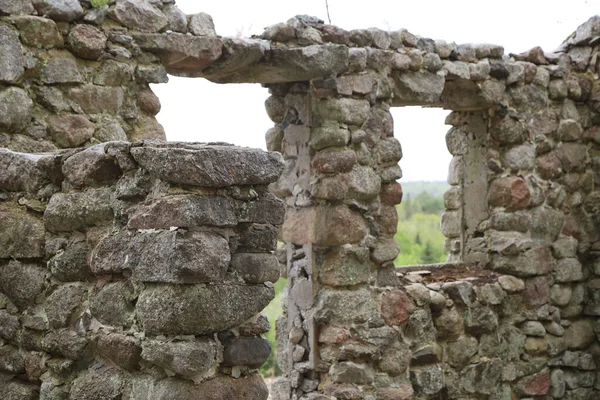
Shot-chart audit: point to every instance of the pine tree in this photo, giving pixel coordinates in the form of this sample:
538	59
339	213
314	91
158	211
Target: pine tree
427	257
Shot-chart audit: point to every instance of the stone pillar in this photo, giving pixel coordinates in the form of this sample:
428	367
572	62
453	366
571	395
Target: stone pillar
136	271
340	190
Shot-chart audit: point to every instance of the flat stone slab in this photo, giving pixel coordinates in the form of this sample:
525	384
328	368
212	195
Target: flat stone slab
200	309
181	53
211	165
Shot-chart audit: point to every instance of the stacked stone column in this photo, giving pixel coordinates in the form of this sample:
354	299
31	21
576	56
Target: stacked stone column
340	190
136	271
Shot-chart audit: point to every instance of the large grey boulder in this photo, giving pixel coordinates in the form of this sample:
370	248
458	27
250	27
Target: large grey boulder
201	309
214	166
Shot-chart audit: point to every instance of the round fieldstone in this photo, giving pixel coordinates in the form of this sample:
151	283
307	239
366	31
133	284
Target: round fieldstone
86	41
70	130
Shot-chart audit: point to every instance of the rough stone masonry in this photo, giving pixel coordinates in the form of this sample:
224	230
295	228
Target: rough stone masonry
131	268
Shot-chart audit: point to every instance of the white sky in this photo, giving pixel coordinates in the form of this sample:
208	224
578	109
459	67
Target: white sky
198	110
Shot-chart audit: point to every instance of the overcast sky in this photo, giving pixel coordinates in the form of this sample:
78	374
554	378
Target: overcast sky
198	110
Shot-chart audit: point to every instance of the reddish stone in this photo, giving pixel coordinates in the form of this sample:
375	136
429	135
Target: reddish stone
396	307
329	162
330	334
549	165
403	392
511	193
391	194
535	385
537	291
536	56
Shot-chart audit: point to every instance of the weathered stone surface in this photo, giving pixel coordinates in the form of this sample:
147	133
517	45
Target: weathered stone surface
140	14
149	102
184	211
201	24
289	64
71	264
211	165
177	19
344	307
86	41
363	183
151	74
15	108
184	55
251	352
70	130
189	359
18	390
386	249
519	157
536	261
568	270
74	211
535	385
482	377
61	68
343	266
349	372
203	309
256	267
511	284
90	166
120	349
105	383
12	63
451	224
9	325
21	235
396	307
511	193
266	209
403	392
345	110
333	161
15	7
579	335
22	282
59	10
38	32
113	305
165	256
98	99
250	387
427	381
323	226
62	303
418	88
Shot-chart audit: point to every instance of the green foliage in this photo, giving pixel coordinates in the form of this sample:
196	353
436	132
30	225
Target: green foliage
419	235
273	310
100	3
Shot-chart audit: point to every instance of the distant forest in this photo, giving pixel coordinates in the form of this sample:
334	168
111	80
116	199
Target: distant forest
419	238
419	235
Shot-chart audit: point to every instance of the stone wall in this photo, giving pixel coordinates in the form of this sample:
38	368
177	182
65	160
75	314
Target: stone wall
136	271
72	75
514	313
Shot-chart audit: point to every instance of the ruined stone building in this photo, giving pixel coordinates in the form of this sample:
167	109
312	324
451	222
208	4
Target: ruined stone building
135	269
